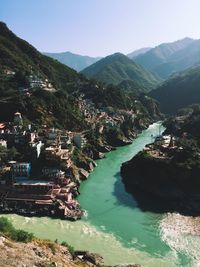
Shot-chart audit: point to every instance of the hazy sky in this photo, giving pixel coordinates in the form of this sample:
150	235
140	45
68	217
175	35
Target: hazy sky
100	27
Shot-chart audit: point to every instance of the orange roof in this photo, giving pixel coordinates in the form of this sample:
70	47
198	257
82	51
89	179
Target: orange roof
2	125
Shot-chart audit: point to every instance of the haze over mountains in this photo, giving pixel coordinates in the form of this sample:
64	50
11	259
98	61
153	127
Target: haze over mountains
74	61
79	62
169	58
138	52
164	59
177	91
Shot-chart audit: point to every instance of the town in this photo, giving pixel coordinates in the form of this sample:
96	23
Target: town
41	167
37	185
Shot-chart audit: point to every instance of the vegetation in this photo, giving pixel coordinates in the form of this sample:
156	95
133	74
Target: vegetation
42	107
80	159
179	91
18	55
131	86
8	230
189	125
7	154
60	107
70	248
117	68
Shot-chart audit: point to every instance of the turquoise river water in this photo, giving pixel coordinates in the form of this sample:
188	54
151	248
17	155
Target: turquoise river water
115	227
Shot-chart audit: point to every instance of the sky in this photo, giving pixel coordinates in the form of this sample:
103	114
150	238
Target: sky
101	27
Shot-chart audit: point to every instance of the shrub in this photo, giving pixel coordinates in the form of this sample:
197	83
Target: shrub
8	229
5	225
21	236
70	248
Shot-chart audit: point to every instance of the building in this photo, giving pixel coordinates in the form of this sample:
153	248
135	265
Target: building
19	138
40	188
3	143
36	82
37	147
52	134
56	154
2	128
18	119
80	141
9	72
21	169
31	136
52	173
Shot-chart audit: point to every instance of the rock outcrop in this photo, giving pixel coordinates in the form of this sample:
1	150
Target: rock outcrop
44	253
168	179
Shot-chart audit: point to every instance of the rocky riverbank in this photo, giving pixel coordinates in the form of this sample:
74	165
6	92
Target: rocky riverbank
44	253
55	210
167	174
55	199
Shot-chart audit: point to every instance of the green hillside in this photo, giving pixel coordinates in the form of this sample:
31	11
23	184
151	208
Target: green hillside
58	104
117	68
18	55
132	86
179	91
23	59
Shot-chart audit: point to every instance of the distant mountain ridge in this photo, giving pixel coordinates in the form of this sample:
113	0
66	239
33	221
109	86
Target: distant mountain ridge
169	58
80	62
180	91
138	52
117	68
74	61
164	59
180	60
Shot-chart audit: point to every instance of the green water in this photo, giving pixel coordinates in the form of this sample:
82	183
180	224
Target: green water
114	226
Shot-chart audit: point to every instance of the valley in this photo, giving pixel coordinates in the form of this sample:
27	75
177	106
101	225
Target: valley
99	155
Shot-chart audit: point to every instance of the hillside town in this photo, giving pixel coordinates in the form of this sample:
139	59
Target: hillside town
41	167
36	179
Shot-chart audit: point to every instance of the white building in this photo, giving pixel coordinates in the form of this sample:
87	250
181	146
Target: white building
80	141
18	118
3	143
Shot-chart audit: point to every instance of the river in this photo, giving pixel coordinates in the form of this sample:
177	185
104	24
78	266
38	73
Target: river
115	226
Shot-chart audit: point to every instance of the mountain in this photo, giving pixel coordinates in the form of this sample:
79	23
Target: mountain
117	68
49	93
19	55
132	86
138	52
73	61
180	60
154	58
19	60
181	90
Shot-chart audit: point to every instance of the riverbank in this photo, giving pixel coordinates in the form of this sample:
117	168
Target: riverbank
20	248
57	199
167	171
134	239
